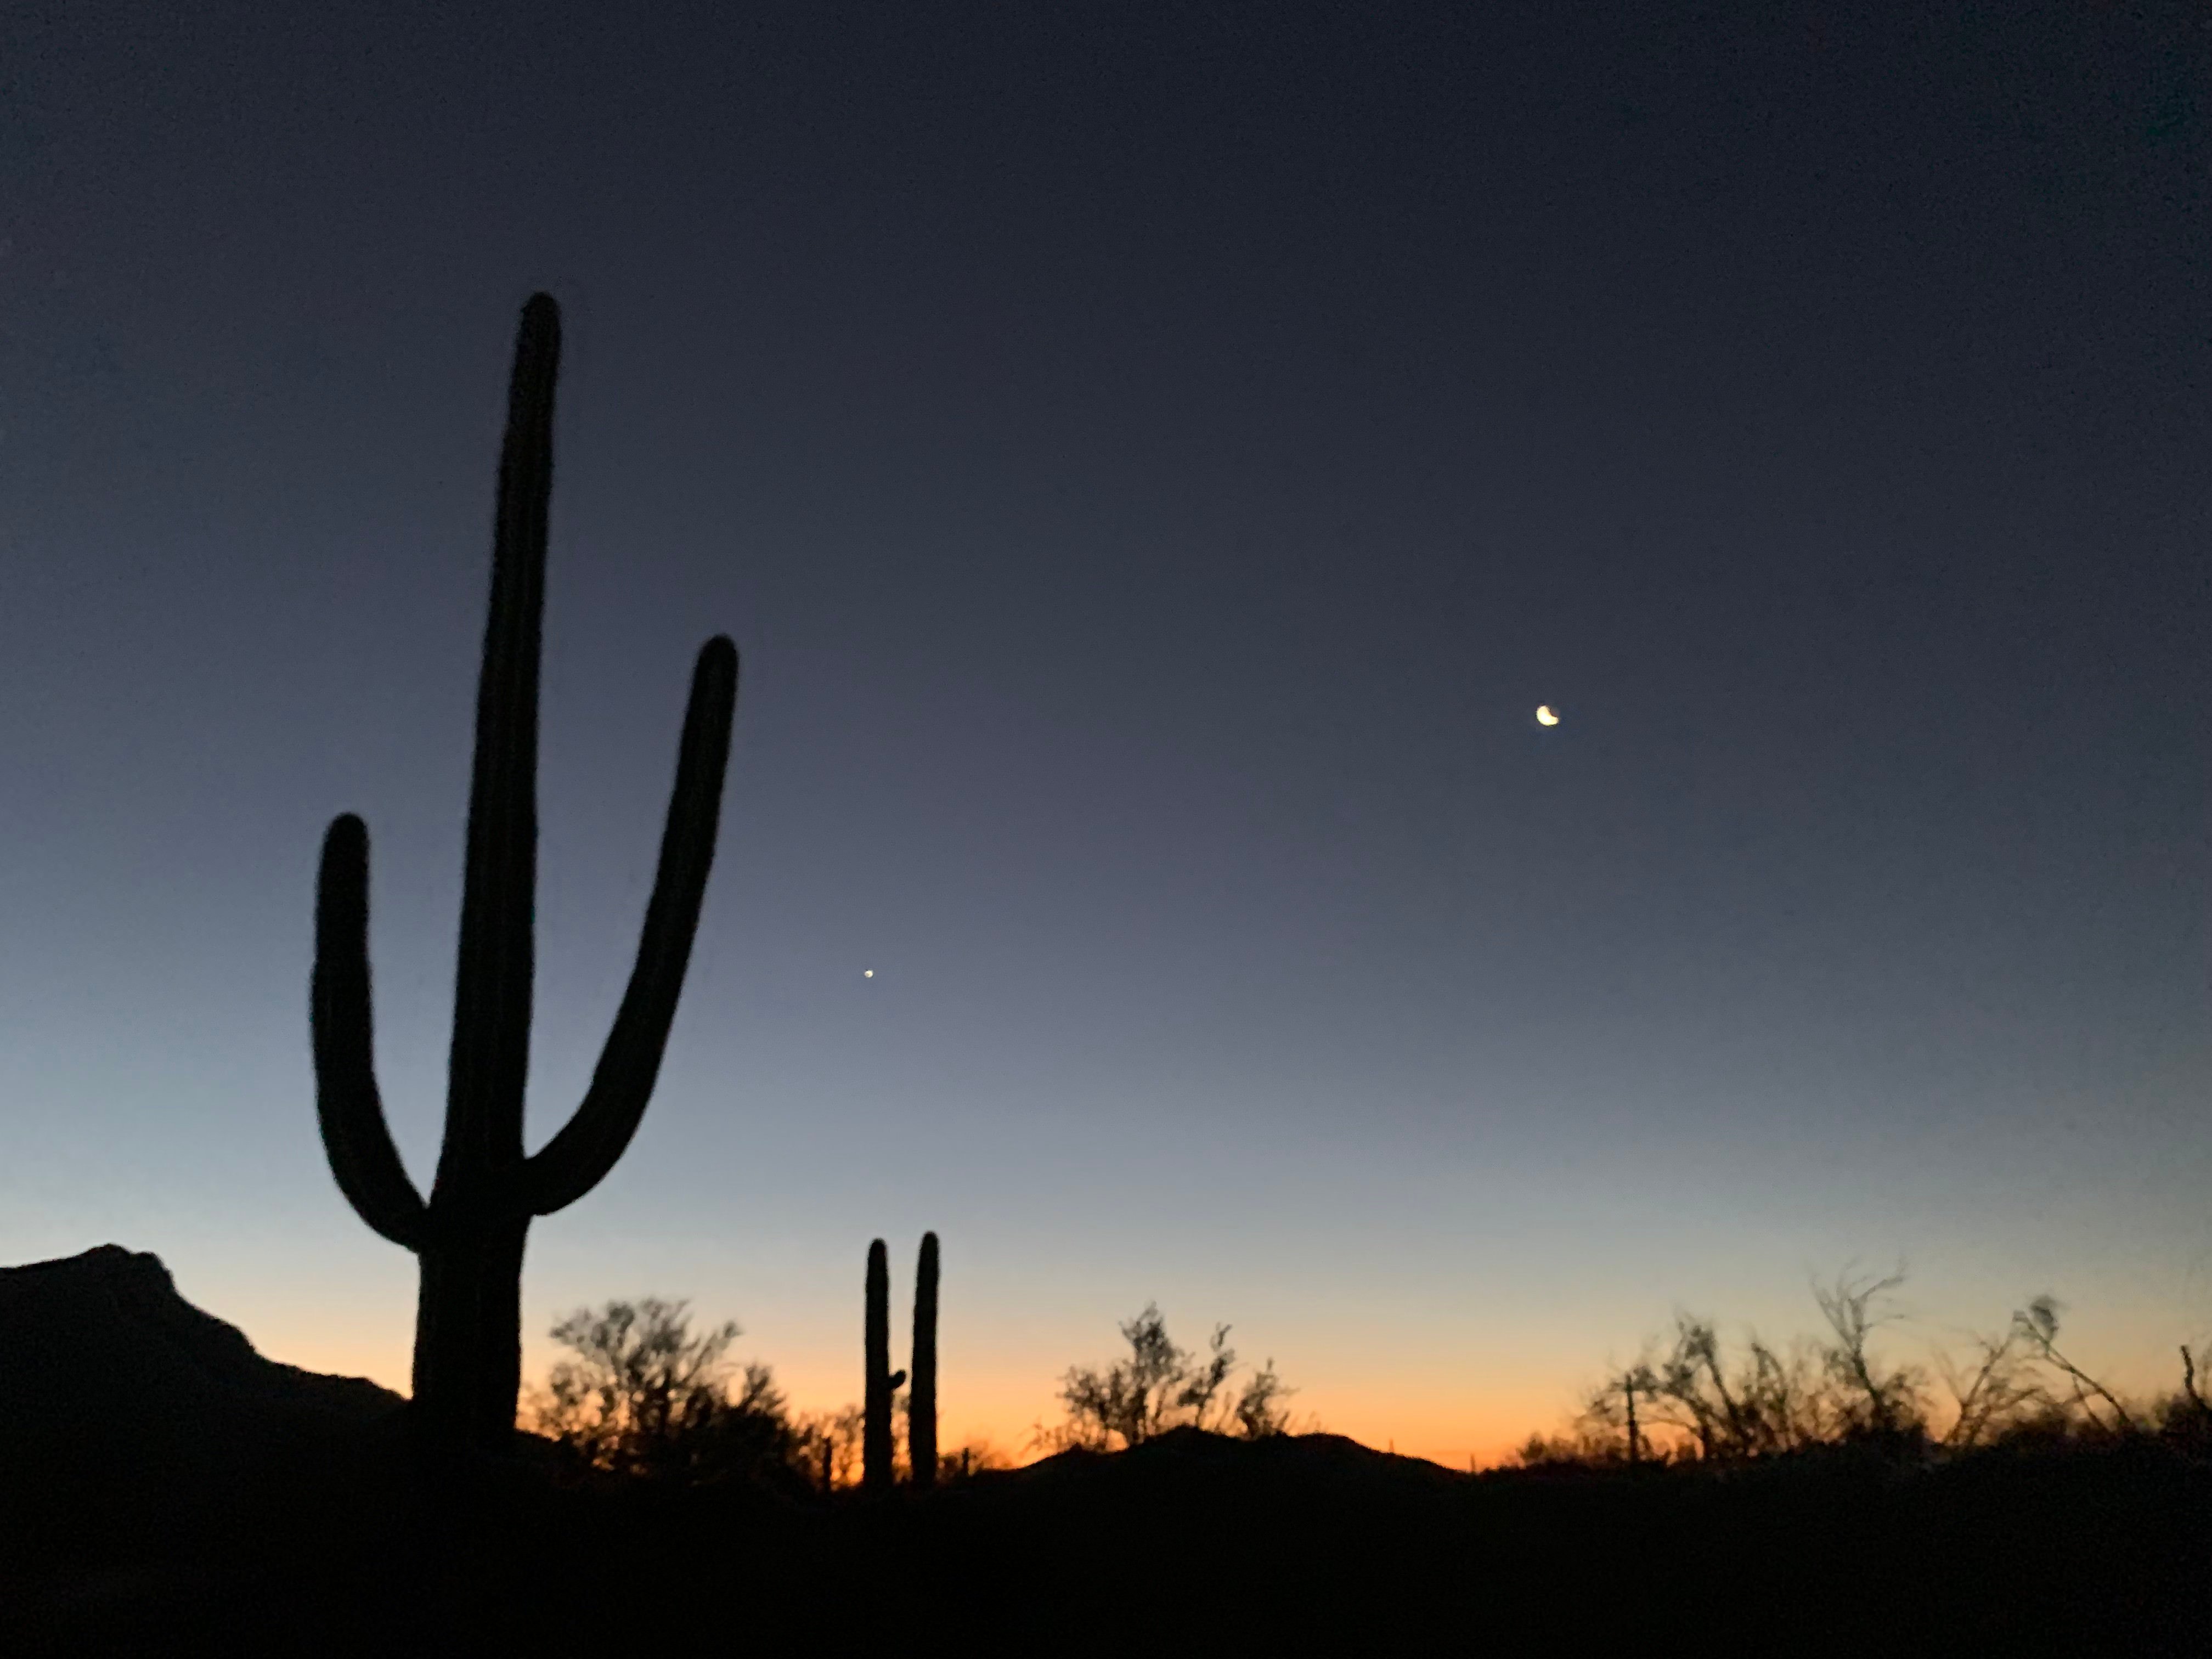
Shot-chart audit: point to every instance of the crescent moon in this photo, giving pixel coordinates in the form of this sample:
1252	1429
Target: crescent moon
1546	717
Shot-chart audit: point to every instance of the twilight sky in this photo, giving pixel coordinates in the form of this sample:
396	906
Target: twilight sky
1154	459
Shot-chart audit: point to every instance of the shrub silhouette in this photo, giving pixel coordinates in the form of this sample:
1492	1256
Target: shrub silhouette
1160	1386
643	1395
470	1234
1260	1412
1695	1402
829	1447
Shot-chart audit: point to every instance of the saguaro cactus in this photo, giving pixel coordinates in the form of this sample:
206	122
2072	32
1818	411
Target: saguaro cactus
876	1447
469	1236
921	1398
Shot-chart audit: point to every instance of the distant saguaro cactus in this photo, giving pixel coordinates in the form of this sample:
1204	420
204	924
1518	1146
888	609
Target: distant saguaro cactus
876	1449
921	1399
470	1236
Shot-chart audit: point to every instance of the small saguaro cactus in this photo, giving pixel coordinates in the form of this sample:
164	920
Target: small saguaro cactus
876	1447
470	1234
921	1398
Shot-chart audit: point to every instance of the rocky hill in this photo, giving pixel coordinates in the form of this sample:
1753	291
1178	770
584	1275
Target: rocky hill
102	1335
137	1418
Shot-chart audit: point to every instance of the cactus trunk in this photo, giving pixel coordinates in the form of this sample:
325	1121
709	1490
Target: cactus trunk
877	1452
470	1234
468	1337
922	1401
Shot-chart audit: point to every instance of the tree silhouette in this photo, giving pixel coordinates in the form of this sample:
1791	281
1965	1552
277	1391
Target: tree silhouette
1996	1390
2036	1326
1161	1386
1709	1405
644	1394
1260	1412
829	1447
1768	1401
1870	1401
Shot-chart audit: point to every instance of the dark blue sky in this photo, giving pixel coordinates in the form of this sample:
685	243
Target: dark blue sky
1154	460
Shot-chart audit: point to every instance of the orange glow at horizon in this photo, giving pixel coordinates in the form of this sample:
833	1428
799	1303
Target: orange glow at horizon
1001	1377
1002	1412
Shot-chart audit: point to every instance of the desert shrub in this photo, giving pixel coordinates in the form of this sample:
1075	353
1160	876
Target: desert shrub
1161	1386
643	1395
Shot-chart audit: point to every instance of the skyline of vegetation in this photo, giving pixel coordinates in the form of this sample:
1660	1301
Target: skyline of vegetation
661	1387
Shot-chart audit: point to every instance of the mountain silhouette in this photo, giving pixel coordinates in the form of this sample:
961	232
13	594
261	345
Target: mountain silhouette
105	1339
152	1449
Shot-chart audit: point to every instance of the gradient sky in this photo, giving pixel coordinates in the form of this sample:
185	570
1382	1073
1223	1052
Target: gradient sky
1154	459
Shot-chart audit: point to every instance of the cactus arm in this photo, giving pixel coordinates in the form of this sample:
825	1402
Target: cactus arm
577	1158
356	1138
490	1052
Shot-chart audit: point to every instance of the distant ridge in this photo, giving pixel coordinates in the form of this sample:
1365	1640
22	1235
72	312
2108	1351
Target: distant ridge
110	1322
1310	1461
133	1415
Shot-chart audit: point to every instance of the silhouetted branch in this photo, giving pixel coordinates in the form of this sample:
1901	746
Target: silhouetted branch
2038	1325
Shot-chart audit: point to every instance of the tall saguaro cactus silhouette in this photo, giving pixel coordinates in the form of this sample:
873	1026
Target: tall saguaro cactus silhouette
470	1234
921	1394
878	1450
